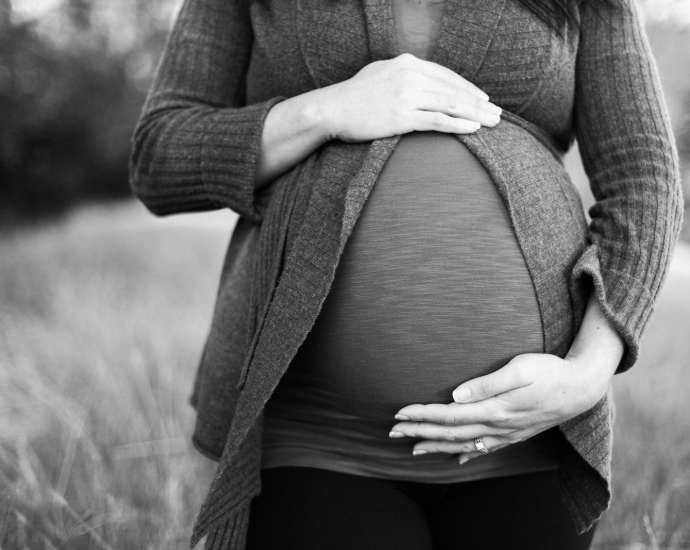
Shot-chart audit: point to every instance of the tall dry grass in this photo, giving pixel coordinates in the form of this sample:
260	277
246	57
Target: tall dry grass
102	318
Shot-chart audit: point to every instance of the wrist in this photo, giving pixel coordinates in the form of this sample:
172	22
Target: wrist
293	129
319	113
592	377
595	354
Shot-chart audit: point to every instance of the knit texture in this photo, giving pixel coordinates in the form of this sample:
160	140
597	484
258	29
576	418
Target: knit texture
196	148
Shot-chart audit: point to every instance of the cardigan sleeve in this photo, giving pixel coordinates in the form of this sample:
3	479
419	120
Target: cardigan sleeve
196	144
628	151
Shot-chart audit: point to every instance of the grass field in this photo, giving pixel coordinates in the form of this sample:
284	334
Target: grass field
102	317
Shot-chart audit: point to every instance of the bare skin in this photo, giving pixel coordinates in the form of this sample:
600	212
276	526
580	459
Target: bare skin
533	392
385	98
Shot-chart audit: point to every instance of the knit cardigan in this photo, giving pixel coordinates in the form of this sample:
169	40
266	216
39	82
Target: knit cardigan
226	64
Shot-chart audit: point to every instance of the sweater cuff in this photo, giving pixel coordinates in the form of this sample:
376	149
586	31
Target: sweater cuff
624	301
229	155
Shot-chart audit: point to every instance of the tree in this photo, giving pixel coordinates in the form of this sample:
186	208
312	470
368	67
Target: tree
70	96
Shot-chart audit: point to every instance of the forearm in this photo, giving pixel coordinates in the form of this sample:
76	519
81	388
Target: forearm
197	143
628	151
293	129
385	98
596	351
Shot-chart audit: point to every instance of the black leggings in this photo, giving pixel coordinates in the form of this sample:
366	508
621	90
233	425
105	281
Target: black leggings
314	509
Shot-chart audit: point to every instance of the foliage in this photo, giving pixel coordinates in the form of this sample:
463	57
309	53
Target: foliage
69	100
101	327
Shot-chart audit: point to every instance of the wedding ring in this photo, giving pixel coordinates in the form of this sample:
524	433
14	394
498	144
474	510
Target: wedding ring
479	445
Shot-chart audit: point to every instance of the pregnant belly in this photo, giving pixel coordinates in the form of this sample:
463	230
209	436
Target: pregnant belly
432	290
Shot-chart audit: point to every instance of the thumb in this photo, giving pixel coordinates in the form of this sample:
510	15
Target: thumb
509	377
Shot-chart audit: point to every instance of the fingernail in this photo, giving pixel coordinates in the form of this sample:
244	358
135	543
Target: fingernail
463	459
396	434
401	417
494	118
419	452
495	109
461	394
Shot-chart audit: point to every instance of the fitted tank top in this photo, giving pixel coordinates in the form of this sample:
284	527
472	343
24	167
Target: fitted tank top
431	290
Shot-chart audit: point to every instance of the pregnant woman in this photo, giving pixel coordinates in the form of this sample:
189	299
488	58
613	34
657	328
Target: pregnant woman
415	329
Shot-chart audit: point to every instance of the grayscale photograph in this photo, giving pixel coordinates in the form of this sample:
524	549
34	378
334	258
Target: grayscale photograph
344	274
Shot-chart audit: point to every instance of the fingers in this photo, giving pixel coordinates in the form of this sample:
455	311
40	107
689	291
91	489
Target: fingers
440	122
429	68
510	377
431	87
452	414
436	432
460	447
459	104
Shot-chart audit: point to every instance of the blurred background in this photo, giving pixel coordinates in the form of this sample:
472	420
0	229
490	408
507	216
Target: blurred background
104	308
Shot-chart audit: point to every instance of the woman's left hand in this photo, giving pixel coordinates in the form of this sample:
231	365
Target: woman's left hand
530	394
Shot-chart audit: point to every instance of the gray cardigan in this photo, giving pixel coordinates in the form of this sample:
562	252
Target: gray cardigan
196	146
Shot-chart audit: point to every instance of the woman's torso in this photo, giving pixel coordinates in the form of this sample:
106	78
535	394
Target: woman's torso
432	290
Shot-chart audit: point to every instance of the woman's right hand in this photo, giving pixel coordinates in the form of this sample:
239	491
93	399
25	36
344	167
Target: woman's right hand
402	95
385	98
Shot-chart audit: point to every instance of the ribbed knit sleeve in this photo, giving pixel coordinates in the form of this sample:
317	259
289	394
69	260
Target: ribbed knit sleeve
627	147
196	145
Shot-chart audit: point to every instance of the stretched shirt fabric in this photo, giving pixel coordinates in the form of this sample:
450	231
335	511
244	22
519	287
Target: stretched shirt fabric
196	146
431	290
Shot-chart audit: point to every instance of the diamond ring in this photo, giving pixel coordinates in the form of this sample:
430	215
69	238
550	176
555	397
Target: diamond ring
479	445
